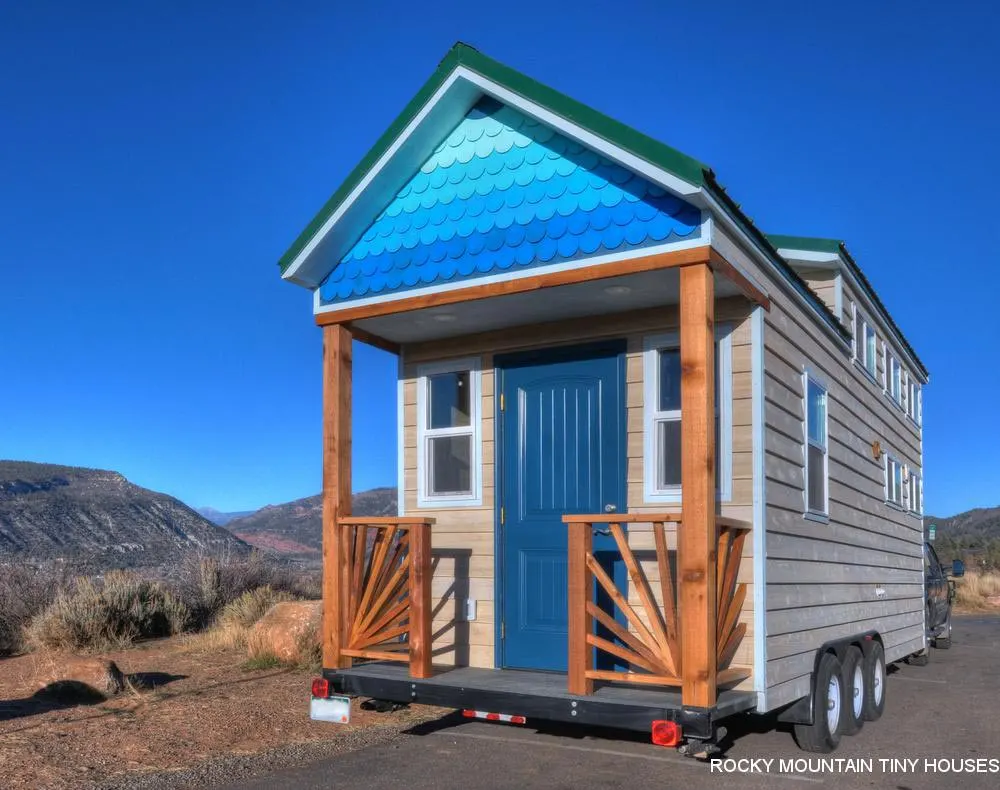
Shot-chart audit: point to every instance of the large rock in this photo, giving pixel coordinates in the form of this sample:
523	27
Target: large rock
288	632
79	676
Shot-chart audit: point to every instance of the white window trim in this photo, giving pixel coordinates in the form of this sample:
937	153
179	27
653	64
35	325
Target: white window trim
890	457
916	481
650	398
475	499
861	342
814	513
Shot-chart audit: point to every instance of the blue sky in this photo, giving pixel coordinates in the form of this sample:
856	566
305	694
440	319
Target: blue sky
156	159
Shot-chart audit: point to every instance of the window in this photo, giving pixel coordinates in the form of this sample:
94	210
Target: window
448	436
893	481
916	494
913	401
817	457
662	413
864	342
895	382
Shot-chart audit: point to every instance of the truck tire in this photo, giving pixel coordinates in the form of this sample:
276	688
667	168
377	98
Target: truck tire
823	735
854	690
943	642
874	664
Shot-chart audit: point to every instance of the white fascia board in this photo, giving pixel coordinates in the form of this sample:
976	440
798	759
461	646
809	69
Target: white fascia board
457	94
309	273
831	259
507	276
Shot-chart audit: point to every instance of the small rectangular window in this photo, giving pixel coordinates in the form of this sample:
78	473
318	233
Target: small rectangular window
895	379
893	481
662	396
916	486
817	461
865	344
448	433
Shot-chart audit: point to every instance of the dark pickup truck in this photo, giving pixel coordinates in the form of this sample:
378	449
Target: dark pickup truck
940	595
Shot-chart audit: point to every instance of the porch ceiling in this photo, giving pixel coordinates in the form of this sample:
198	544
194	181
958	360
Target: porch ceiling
595	297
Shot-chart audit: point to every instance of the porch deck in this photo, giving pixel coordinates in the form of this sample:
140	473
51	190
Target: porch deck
535	695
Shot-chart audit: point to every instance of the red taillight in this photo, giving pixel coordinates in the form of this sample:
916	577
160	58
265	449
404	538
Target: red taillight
666	733
321	688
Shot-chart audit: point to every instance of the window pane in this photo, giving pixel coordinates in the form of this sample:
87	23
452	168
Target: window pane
816	490
448	400
816	403
668	453
450	465
870	349
670	380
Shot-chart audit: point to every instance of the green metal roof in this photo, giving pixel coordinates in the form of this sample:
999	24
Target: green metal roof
635	142
838	247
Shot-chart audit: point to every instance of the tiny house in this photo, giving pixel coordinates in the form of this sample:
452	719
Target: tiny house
655	465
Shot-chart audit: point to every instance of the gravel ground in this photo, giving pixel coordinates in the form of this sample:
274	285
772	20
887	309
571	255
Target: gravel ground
202	720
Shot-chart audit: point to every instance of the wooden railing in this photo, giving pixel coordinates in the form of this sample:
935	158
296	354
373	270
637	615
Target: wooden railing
385	590
650	643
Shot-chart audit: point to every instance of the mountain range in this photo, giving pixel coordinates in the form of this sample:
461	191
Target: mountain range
296	528
97	517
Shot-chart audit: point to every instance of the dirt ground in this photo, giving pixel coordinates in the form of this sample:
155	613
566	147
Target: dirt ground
197	704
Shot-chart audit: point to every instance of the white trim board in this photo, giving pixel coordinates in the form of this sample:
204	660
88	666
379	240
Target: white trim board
759	536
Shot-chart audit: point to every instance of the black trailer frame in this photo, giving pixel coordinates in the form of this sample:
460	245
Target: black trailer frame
538	695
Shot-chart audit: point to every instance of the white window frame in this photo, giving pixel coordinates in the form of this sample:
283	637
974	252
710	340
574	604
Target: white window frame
652	345
914	401
814	513
474	429
891	459
916	491
861	351
894	378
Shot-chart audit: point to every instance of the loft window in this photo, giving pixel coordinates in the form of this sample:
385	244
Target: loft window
662	411
864	342
448	434
893	481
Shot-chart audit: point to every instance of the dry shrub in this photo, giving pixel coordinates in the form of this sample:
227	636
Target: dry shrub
976	589
95	614
233	624
24	592
208	584
261	654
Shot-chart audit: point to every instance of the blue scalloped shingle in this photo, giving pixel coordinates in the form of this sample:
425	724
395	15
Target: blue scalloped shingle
503	192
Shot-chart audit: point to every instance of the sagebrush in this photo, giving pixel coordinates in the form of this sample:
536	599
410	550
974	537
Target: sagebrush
24	592
106	613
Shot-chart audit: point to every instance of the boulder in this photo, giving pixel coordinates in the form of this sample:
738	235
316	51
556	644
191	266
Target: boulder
79	676
288	632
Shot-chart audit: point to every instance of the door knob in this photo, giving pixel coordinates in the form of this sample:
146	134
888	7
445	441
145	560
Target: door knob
609	508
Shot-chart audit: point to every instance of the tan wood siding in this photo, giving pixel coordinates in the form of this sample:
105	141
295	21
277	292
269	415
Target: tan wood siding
463	538
863	570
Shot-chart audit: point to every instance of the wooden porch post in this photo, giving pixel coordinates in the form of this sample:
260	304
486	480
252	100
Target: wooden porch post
696	538
581	584
336	490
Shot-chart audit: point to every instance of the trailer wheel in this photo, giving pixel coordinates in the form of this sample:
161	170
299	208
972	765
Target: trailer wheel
874	664
854	690
823	735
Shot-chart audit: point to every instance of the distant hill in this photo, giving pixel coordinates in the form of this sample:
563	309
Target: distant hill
98	518
296	528
973	535
219	517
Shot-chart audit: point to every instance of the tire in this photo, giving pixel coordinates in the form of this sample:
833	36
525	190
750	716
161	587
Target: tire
921	659
854	691
875	687
943	642
823	735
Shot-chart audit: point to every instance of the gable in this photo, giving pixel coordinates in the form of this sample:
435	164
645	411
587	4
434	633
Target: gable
504	193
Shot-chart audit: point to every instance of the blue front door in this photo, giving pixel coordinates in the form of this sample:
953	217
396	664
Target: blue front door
562	451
